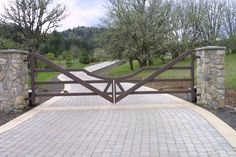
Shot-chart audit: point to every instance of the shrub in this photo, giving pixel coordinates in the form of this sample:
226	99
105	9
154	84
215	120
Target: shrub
60	58
50	56
84	58
41	65
67	56
69	63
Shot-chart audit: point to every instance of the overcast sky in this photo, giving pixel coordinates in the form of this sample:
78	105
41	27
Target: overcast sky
80	12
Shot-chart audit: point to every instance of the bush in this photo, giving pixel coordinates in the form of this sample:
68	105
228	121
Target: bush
60	58
7	44
50	56
41	65
69	63
67	56
84	58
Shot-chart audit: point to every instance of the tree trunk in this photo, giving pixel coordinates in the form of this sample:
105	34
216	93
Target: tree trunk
142	63
131	63
150	62
174	55
227	51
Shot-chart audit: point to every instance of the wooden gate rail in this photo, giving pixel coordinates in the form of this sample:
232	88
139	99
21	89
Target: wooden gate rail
114	83
161	70
35	56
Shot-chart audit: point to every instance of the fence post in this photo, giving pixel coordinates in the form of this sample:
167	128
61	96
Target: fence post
13	80
210	76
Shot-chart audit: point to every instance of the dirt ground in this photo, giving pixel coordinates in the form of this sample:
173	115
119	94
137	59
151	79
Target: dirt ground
230	97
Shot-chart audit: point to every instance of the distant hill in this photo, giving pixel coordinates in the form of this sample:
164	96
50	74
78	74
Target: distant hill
84	37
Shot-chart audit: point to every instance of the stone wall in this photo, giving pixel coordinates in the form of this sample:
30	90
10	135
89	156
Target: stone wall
13	80
210	76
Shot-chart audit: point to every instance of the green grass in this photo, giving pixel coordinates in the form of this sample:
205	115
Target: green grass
124	69
230	71
44	76
79	66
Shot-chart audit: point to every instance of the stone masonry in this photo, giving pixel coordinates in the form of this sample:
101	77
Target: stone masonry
210	76
13	80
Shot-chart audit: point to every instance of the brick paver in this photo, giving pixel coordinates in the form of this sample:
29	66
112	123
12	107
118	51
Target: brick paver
156	127
122	132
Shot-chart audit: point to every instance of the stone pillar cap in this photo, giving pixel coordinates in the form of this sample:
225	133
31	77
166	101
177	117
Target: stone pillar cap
14	51
210	48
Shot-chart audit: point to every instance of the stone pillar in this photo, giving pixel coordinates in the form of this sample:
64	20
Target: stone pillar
210	76
13	80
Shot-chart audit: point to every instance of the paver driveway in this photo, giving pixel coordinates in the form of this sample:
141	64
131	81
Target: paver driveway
139	125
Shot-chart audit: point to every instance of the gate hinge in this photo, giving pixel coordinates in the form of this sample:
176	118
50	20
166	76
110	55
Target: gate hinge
27	59
197	57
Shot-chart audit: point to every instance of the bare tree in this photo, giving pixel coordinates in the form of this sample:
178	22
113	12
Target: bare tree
213	19
33	19
141	24
229	24
186	21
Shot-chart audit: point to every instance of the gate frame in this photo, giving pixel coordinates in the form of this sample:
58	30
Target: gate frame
111	82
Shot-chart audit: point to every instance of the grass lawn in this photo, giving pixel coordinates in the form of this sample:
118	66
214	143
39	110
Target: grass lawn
78	66
44	76
230	70
124	69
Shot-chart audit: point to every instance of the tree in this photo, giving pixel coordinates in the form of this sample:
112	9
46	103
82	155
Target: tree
7	43
229	21
84	57
100	55
54	43
33	18
10	32
186	21
213	19
229	25
142	26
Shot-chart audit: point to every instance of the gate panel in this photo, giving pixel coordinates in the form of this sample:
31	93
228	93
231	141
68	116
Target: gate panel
75	79
114	83
166	67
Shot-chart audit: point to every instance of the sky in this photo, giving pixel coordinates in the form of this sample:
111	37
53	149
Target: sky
80	12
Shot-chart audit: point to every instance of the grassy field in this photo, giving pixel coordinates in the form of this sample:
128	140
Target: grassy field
44	76
79	66
124	69
230	70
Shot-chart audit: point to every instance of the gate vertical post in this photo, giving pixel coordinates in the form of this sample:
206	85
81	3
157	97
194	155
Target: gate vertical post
193	94
114	91
32	74
210	76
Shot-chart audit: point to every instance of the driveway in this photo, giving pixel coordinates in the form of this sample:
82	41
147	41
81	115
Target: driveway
139	125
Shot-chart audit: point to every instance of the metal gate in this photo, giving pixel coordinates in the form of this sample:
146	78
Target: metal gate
114	95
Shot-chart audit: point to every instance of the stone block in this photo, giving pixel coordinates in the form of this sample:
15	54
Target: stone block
3	61
13	80
210	72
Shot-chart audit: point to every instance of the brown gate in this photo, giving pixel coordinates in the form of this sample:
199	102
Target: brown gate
113	96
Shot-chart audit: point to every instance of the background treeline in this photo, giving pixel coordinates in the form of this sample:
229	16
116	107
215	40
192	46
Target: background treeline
77	43
142	30
80	42
146	30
